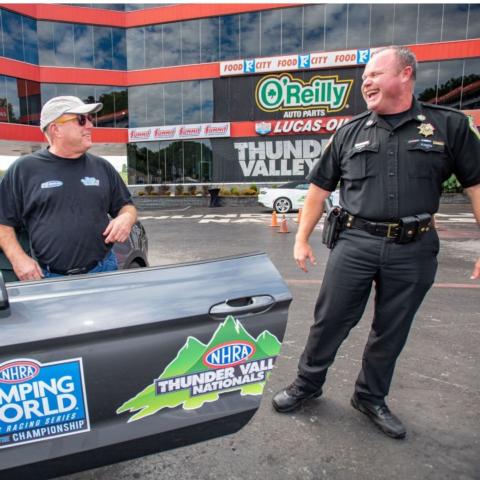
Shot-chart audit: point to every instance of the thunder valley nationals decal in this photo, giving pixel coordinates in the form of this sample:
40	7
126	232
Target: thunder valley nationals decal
40	401
232	360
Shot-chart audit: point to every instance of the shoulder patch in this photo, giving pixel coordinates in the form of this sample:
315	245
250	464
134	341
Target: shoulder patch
473	127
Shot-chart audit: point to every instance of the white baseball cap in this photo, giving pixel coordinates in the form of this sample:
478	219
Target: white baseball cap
57	106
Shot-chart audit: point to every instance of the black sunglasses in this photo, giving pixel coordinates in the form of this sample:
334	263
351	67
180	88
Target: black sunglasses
80	118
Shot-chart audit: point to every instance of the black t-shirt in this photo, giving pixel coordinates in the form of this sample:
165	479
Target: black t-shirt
64	205
387	172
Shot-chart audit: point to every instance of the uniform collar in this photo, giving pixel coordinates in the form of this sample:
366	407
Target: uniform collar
415	113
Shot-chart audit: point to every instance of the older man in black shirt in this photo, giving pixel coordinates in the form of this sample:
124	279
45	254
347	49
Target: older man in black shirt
391	162
63	196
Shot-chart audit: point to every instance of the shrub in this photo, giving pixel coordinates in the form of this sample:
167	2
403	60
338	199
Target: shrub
141	193
253	187
248	191
164	190
148	189
205	190
234	191
192	190
224	192
179	190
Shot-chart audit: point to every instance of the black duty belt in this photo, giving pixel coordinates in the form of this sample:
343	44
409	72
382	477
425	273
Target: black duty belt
404	230
70	271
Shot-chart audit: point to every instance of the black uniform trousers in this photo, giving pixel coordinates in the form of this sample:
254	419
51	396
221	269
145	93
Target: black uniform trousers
402	275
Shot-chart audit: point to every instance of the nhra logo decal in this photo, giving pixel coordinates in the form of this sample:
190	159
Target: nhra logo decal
232	360
41	401
229	354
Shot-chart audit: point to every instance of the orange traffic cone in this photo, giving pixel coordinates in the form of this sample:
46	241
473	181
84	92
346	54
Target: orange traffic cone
283	225
299	216
274	219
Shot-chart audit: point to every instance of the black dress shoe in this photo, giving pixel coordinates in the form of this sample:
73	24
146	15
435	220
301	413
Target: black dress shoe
292	397
381	416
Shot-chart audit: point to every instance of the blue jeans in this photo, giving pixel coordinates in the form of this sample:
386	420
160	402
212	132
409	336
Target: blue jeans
108	264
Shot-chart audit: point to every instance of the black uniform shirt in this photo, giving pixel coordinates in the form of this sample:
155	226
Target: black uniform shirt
64	204
387	173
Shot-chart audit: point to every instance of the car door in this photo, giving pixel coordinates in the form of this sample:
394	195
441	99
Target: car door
299	195
100	368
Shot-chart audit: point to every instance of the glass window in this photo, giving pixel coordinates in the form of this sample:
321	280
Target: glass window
291	30
426	83
271	37
121	107
48	91
86	93
46	49
83	45
335	26
12	35
450	83
135	48
174	161
358	26
106	116
381	33
172	52
153	163
229	42
153	46
63	40
12	91
249	38
137	106
471	85
155	105
473	21
313	28
102	41
454	22
137	163
66	89
165	173
1	41
191	101
192	154
30	40
405	24
206	96
190	33
209	43
120	48
429	23
3	100
31	94
173	103
206	160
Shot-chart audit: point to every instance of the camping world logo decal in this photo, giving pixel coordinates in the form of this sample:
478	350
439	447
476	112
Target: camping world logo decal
232	360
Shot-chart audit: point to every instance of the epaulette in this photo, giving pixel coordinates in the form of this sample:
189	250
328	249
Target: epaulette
440	107
355	118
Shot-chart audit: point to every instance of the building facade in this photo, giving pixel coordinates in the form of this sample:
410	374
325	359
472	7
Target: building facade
221	93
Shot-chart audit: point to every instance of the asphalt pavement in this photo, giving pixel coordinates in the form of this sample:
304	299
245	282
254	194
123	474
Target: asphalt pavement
435	390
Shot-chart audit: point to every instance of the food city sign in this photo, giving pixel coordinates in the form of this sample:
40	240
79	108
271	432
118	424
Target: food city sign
179	132
284	92
308	61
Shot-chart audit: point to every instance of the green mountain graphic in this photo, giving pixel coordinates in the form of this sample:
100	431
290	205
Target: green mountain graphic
189	360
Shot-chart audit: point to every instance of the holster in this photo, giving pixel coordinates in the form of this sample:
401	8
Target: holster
332	227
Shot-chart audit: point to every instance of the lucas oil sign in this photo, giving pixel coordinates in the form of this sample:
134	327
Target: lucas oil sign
232	361
41	401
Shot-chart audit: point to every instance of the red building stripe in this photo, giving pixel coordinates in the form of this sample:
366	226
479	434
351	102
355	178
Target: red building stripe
135	18
90	76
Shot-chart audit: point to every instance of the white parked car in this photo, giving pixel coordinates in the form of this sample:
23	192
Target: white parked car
288	197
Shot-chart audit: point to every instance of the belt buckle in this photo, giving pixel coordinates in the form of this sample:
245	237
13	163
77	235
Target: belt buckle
391	226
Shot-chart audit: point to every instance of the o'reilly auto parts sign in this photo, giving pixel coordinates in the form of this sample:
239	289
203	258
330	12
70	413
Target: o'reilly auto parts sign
285	92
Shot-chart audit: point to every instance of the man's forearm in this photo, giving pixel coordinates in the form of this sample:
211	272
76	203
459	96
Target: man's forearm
129	210
311	212
9	244
474	195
